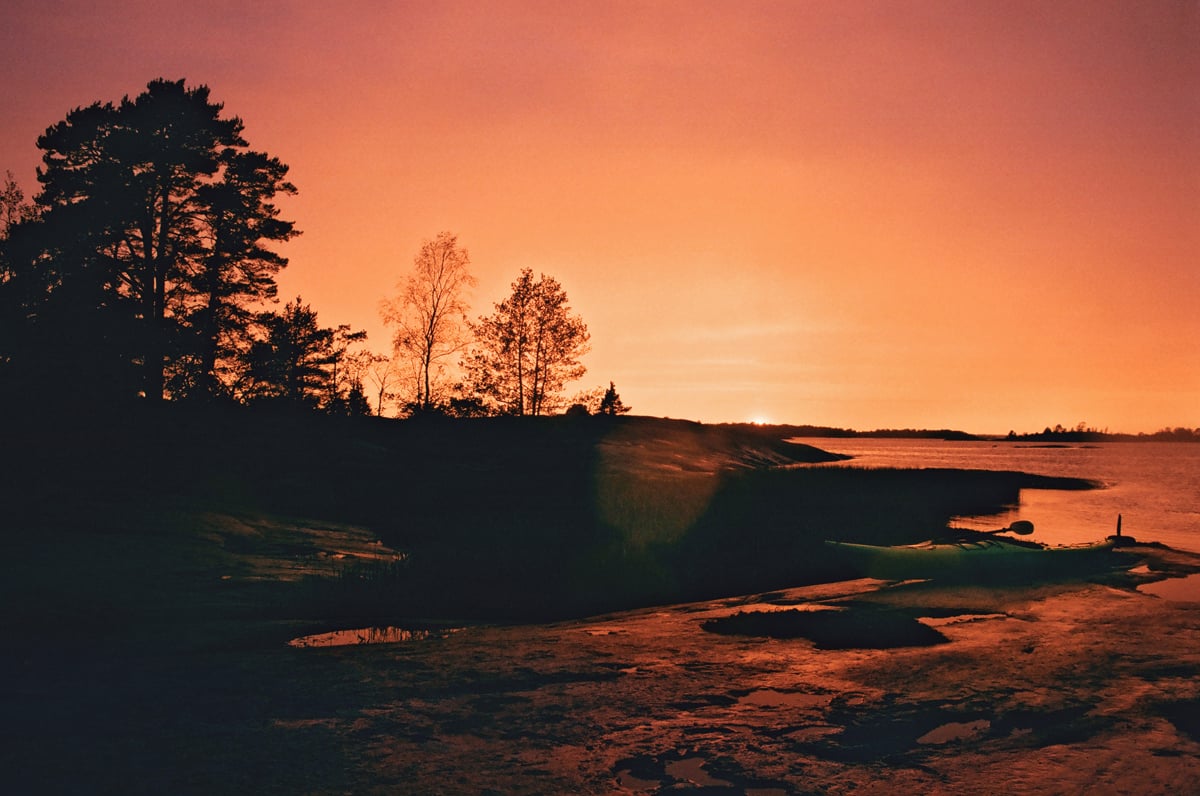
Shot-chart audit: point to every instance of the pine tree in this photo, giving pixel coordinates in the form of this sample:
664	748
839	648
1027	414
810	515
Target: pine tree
611	403
290	365
155	222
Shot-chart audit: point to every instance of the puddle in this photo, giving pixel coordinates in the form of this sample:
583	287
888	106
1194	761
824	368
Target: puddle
831	630
691	770
1185	589
958	619
368	635
627	779
604	631
688	772
956	731
770	698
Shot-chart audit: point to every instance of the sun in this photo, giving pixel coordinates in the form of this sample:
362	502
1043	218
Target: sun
760	420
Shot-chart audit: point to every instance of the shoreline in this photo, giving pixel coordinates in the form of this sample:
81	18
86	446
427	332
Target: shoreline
1068	685
147	648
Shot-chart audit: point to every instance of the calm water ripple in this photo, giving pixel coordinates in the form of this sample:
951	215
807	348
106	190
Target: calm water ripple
1154	486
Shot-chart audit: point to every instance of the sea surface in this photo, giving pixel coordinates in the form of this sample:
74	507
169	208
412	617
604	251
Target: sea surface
1153	486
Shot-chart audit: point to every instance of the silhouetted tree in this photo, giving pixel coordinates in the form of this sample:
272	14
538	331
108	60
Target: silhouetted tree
588	399
294	363
344	372
154	223
463	405
13	207
429	315
59	325
611	403
237	270
15	213
352	403
354	367
528	349
378	371
357	404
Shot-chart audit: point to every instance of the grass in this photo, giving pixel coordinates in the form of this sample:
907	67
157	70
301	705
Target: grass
366	590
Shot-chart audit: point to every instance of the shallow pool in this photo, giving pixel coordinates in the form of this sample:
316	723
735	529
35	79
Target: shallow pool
368	635
1186	589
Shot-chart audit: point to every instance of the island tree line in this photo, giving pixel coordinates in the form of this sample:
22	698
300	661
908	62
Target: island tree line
145	268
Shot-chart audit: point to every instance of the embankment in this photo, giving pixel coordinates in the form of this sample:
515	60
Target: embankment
504	518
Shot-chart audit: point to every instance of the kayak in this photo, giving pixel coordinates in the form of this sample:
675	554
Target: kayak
985	558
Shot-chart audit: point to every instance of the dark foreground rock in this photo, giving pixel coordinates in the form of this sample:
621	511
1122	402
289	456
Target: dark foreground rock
154	577
1055	688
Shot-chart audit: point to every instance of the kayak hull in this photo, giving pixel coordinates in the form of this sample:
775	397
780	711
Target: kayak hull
982	558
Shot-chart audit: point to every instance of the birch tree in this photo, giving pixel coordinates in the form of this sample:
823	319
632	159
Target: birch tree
428	317
528	349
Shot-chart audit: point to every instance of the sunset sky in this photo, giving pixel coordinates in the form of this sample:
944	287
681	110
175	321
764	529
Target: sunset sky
977	215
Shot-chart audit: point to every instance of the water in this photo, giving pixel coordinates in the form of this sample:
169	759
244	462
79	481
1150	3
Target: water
956	731
1186	589
1154	486
367	635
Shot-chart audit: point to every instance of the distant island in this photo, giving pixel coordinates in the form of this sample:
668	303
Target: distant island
1081	433
886	433
1056	434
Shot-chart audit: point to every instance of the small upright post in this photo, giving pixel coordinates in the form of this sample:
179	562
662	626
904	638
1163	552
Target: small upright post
1118	526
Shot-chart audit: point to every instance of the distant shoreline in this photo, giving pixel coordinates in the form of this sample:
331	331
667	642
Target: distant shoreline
954	435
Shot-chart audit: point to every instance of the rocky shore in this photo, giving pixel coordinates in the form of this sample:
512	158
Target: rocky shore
145	649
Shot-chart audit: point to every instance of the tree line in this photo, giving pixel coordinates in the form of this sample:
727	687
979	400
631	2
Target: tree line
145	268
1082	432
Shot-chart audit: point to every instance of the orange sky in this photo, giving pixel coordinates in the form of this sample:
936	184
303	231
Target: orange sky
974	215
